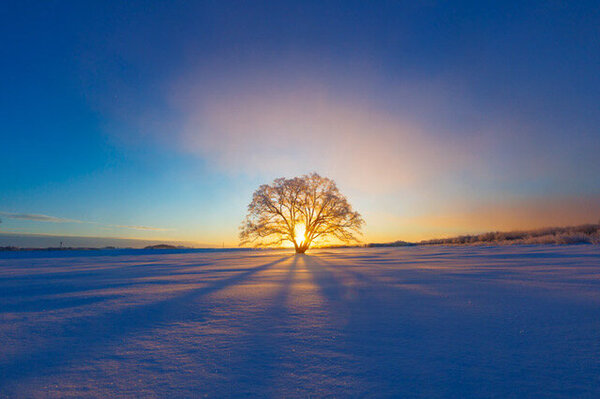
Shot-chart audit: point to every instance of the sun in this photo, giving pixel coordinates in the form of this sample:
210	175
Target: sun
300	233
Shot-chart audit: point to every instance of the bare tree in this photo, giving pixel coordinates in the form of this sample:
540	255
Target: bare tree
300	210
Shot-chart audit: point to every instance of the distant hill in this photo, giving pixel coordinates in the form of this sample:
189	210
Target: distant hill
163	246
583	234
390	244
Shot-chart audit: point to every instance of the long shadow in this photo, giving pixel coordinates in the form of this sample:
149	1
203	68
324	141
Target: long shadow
39	293
346	271
329	285
292	349
279	308
89	335
388	280
372	328
67	281
265	348
346	343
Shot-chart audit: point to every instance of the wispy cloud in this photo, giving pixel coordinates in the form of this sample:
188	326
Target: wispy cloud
54	219
274	124
302	133
38	218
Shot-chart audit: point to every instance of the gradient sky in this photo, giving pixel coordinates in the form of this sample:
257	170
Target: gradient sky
157	120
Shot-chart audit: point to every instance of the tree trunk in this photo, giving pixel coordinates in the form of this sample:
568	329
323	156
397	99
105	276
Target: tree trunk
300	249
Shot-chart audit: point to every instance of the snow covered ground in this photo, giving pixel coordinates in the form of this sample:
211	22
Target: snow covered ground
388	322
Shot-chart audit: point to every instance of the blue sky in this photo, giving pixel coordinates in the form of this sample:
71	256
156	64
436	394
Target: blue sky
434	117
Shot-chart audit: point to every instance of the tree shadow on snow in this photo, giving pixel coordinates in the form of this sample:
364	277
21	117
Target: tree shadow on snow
89	335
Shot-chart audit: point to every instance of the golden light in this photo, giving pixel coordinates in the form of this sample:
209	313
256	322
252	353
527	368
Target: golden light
300	234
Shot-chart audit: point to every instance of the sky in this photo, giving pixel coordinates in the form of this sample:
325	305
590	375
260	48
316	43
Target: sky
158	120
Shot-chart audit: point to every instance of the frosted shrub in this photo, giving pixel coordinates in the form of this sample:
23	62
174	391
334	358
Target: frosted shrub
583	234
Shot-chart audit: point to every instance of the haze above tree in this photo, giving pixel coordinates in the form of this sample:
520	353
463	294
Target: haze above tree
300	210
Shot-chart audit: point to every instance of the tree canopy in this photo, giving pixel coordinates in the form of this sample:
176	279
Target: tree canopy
301	210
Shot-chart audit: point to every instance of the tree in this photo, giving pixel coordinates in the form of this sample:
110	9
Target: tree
301	210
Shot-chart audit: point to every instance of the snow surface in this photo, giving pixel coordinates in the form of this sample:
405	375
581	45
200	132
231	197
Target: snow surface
382	322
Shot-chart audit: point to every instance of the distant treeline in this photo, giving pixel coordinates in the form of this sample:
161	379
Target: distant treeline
584	234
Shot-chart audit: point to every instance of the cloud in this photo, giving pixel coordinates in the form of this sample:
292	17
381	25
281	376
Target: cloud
38	218
54	219
284	126
370	132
